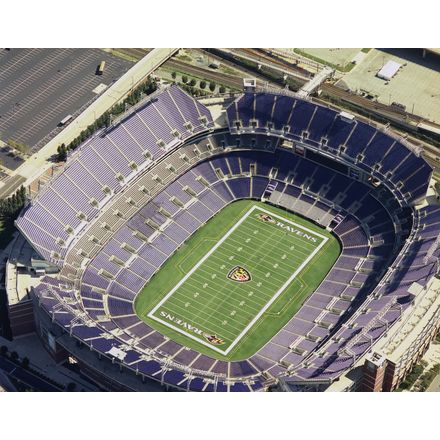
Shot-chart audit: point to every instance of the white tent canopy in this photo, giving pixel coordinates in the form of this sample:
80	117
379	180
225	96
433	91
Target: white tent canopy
389	70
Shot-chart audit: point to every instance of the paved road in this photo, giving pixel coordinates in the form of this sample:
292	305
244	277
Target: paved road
10	185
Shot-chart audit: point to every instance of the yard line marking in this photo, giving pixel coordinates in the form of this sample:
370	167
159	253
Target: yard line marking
297	255
213	296
266	306
254	269
303	250
208	328
233	243
212	327
303	246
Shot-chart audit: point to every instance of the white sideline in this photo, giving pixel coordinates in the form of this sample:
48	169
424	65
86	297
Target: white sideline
267	305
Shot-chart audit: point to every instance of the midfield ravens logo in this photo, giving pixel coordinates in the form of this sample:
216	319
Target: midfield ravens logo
213	339
239	274
266	218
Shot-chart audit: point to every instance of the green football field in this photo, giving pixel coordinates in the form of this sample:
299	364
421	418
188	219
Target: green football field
238	279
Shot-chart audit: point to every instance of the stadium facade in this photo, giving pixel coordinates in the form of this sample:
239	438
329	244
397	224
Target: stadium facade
131	195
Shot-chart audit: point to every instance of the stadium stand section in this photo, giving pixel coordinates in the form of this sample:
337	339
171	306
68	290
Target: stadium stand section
134	193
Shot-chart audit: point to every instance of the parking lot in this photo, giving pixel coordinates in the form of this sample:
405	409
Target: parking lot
39	87
9	158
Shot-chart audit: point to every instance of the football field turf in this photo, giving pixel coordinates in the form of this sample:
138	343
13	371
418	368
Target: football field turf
238	273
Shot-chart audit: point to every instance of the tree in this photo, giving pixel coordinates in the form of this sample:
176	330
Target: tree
14	355
10	207
173	75
184	79
3	350
107	119
202	84
193	82
222	89
23	193
212	86
25	362
62	153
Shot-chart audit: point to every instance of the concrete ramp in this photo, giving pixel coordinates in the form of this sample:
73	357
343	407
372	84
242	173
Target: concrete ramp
309	87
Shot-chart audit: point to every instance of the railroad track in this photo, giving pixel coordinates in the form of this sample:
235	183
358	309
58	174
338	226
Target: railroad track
258	56
262	54
221	78
365	103
248	73
332	90
430	152
136	54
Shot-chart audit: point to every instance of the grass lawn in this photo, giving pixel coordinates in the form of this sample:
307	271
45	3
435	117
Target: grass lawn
238	279
341	68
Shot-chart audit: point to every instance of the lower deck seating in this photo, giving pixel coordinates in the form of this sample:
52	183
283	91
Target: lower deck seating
368	239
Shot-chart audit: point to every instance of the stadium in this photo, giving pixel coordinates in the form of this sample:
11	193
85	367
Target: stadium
263	242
